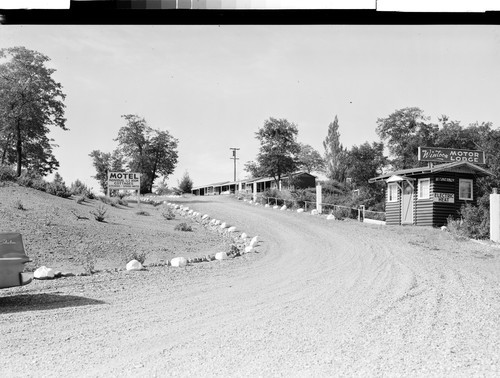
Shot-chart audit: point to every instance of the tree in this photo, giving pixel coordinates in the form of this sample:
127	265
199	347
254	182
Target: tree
141	149
365	162
335	153
404	131
30	102
310	159
186	184
254	169
278	148
103	163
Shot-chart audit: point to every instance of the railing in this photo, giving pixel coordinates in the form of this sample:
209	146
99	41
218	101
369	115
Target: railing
326	208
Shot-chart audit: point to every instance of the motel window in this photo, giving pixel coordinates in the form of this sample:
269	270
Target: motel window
465	189
392	192
424	186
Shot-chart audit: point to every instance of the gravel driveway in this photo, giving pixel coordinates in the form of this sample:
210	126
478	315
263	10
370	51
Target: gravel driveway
319	298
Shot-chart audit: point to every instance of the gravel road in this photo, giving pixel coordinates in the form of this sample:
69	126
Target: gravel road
319	298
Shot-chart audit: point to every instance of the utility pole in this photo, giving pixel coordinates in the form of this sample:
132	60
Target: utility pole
234	158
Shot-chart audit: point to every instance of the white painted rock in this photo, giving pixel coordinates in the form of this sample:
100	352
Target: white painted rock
444	228
185	208
248	249
178	262
283	207
134	265
231	229
254	241
223	225
300	210
266	205
244	236
330	217
204	216
275	207
221	256
190	212
314	212
217	222
43	273
244	200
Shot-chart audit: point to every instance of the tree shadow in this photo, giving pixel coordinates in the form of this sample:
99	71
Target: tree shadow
37	302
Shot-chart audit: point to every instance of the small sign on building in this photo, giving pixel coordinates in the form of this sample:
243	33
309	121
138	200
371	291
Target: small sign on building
444	197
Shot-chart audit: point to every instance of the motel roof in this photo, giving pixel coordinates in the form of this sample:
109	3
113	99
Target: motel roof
456	166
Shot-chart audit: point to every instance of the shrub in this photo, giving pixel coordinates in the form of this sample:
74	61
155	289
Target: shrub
80	200
474	222
167	213
139	256
58	189
7	173
19	205
183	227
122	202
142	212
99	213
31	179
79	188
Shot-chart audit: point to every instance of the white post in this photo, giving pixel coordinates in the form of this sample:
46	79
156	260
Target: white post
254	191
319	200
495	216
279	185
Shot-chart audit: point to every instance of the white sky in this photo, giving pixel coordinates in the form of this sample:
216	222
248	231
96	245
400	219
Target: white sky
212	87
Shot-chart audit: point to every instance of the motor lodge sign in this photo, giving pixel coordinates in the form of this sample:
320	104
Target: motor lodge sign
124	180
450	155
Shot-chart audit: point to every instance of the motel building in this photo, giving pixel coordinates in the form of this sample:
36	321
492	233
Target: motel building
301	180
427	196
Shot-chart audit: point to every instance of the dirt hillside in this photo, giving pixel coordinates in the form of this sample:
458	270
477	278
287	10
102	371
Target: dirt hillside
317	298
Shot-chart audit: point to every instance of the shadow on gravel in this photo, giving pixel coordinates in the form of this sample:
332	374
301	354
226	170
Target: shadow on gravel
36	302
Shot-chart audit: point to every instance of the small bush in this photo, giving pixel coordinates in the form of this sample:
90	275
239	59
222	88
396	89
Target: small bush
341	213
183	227
122	202
79	188
474	222
33	180
80	200
7	173
142	212
99	213
19	205
139	256
168	213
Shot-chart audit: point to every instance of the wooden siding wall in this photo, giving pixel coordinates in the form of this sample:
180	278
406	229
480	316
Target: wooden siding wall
393	210
423	207
442	211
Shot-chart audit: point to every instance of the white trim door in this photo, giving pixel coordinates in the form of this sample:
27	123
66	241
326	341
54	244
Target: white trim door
407	204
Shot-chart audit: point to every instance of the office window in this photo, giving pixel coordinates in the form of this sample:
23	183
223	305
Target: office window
424	186
465	189
392	192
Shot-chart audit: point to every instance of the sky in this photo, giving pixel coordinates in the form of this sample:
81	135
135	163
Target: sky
212	87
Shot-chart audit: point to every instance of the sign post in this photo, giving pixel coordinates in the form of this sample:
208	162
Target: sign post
125	181
319	200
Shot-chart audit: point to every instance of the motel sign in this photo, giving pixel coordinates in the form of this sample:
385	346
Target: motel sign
450	155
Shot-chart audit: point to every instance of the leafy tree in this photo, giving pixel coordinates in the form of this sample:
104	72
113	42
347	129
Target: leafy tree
310	159
104	162
254	169
365	162
335	153
278	148
404	131
149	151
30	102
186	184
